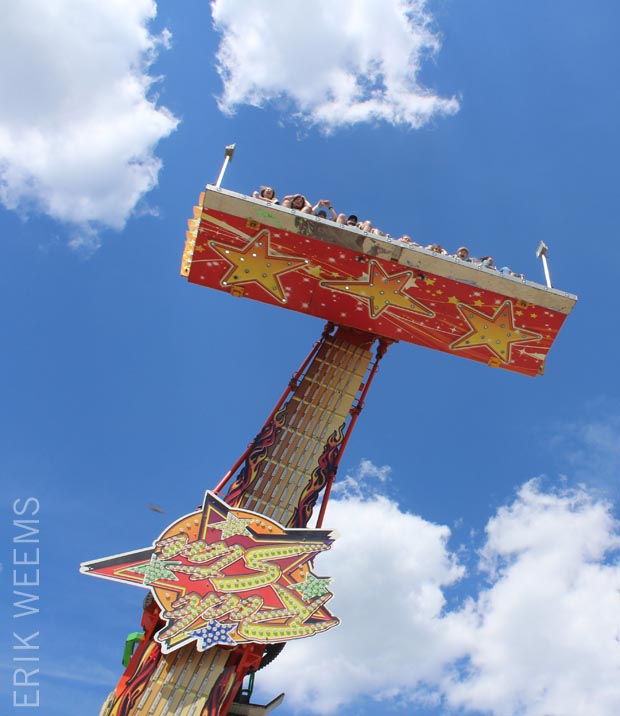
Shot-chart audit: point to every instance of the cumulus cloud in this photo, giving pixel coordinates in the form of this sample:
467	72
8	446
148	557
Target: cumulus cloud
385	562
539	635
78	120
337	63
544	638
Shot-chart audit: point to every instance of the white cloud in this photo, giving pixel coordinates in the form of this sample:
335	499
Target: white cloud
544	637
336	63
78	125
362	482
386	563
541	637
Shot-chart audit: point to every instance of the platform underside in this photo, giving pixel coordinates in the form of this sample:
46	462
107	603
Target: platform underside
315	266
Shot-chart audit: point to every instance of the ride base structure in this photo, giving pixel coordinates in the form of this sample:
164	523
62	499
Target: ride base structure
230	583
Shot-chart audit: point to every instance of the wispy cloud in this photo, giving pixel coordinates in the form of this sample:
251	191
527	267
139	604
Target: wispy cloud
78	119
330	64
81	672
85	672
366	480
591	444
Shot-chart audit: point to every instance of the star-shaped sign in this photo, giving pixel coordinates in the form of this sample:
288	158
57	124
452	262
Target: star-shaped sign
381	291
257	263
225	575
497	332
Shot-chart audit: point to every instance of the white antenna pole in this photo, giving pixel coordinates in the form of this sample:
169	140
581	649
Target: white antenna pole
228	155
541	253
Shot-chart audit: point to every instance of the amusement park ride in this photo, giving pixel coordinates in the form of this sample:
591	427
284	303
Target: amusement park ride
232	581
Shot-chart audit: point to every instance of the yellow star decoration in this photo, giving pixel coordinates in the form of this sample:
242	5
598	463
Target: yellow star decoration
255	263
497	332
232	525
314	271
381	290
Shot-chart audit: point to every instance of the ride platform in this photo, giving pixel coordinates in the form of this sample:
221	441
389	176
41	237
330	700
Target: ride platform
252	249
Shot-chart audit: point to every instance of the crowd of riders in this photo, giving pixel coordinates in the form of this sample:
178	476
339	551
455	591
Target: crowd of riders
324	209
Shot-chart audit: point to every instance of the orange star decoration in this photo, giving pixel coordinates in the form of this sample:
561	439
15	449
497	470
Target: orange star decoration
256	263
382	291
497	332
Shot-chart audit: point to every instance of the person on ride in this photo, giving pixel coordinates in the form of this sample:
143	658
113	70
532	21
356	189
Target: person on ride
436	248
297	202
406	239
462	254
487	262
507	271
350	220
316	209
266	193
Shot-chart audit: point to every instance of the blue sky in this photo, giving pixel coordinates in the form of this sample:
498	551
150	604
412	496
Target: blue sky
495	495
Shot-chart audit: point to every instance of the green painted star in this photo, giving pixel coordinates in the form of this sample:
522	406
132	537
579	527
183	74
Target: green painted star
312	587
156	569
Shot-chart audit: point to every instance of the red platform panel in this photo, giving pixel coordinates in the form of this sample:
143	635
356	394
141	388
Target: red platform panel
351	278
